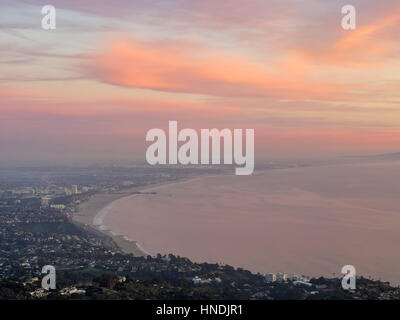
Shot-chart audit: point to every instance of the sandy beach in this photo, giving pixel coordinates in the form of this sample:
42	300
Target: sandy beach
93	211
88	210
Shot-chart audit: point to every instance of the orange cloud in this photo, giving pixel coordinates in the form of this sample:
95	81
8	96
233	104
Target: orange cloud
367	46
186	68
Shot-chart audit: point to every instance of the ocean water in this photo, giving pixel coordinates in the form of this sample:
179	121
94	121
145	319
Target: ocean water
309	221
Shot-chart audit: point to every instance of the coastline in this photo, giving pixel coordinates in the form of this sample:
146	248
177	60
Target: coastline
92	212
286	216
88	210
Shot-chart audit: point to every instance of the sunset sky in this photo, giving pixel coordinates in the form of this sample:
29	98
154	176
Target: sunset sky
91	89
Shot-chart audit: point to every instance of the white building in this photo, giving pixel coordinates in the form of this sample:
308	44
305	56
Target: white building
304	283
57	206
71	290
74	189
45	201
198	280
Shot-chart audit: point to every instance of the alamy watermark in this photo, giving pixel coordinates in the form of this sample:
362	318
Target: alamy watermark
188	152
49	280
349	279
349	20
49	20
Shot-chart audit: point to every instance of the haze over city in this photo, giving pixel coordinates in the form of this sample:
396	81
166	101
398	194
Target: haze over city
199	150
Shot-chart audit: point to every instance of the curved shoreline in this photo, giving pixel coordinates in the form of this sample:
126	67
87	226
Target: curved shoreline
88	210
93	212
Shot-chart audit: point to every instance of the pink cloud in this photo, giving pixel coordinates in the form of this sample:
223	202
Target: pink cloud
183	67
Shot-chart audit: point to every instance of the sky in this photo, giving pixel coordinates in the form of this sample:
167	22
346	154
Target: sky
89	91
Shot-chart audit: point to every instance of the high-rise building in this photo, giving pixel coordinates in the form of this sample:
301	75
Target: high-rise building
281	277
270	277
74	189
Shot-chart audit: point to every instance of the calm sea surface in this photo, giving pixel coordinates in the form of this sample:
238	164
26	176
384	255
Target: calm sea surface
309	221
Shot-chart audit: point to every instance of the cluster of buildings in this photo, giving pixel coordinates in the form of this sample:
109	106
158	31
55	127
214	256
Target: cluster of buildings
71	290
43	191
47	199
51	195
31	237
41	293
283	277
198	280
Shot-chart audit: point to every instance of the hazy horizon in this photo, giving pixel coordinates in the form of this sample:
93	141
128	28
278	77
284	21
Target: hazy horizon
256	141
89	90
